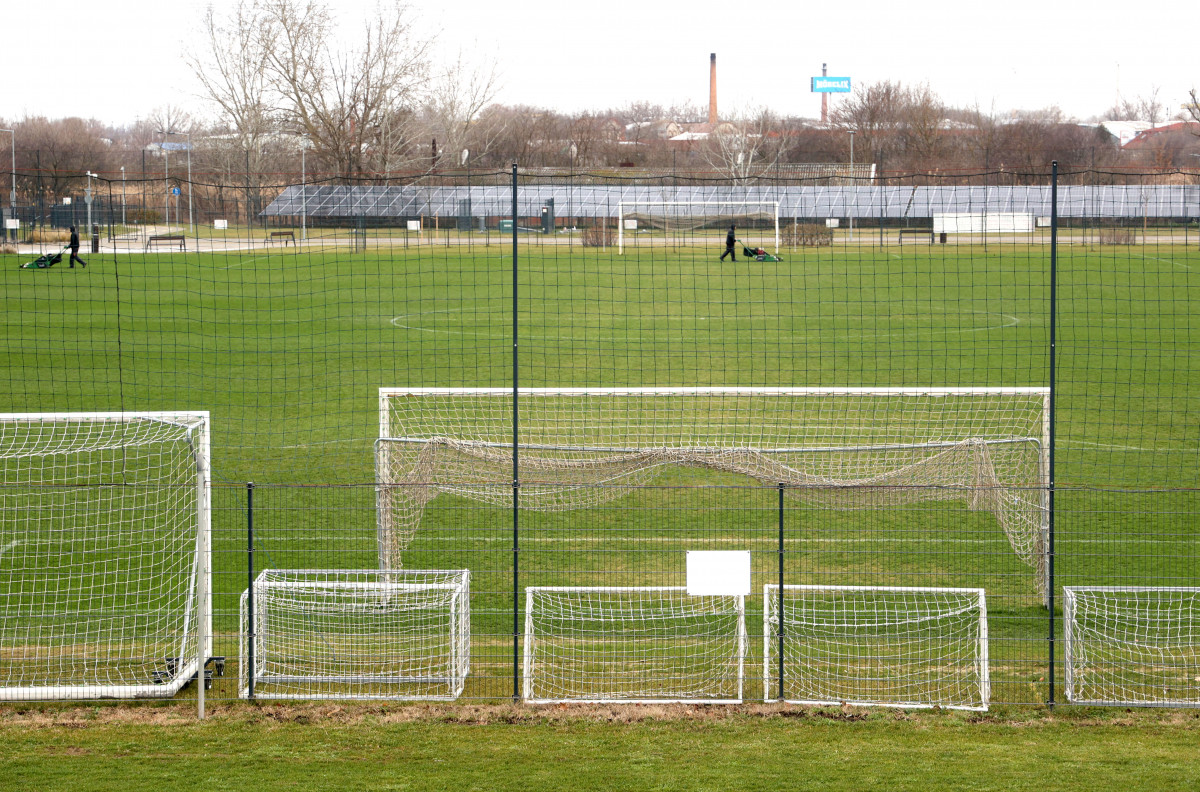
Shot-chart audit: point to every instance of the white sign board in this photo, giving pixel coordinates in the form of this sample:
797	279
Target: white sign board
832	222
631	225
12	223
718	573
221	225
414	225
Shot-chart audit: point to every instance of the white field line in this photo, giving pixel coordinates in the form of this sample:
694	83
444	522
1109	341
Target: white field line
1167	261
739	542
9	546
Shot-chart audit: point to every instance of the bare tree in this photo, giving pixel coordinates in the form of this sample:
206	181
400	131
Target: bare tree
232	69
356	106
746	145
451	112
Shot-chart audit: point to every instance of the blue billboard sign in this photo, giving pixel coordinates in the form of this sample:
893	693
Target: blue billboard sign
831	85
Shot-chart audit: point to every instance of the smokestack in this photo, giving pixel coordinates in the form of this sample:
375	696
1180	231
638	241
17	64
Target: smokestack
712	88
824	99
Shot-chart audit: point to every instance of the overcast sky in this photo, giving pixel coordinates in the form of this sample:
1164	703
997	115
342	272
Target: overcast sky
119	61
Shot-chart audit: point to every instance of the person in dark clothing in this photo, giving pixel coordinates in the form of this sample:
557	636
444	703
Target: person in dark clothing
729	242
74	245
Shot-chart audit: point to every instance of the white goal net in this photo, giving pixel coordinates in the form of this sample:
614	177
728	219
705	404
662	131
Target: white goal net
355	634
698	223
841	448
1132	645
630	644
884	646
104	528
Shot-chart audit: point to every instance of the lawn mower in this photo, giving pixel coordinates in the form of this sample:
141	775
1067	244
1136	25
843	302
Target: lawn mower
45	261
758	254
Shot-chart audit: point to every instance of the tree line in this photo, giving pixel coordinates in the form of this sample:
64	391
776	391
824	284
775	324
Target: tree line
282	89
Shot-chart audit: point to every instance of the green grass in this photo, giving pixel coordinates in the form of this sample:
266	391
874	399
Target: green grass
274	748
287	349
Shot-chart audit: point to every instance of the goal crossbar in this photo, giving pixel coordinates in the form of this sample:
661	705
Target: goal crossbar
710	212
841	448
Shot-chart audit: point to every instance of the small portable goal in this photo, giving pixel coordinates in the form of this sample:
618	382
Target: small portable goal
1133	646
355	634
876	646
647	645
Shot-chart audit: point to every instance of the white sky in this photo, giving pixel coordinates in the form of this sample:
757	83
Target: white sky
119	61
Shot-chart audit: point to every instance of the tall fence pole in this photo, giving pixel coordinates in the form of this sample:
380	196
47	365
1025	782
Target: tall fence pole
779	629
1053	393
516	477
250	589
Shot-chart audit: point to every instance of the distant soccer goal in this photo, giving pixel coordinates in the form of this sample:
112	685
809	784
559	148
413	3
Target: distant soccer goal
688	223
839	448
356	634
646	645
1132	645
104	531
885	646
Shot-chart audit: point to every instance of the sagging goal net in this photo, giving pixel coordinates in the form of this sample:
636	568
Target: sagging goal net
838	448
104	526
698	223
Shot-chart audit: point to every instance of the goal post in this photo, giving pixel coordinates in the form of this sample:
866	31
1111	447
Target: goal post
839	448
105	590
356	634
876	646
678	222
649	645
1132	645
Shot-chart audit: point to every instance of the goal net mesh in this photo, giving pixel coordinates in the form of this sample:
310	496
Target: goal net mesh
632	644
833	449
100	536
356	634
1133	646
903	647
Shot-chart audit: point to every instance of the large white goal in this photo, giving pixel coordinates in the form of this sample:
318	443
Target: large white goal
685	223
356	634
1132	645
881	646
104	531
633	644
840	448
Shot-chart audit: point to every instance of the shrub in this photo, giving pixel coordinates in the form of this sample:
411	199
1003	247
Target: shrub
1118	236
50	235
598	236
807	235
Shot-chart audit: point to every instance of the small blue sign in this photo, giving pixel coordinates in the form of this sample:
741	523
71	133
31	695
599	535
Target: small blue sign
174	191
831	85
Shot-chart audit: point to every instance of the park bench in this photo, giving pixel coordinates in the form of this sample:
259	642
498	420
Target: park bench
166	239
282	236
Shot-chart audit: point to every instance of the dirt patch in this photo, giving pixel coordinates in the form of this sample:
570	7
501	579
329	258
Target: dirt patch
325	713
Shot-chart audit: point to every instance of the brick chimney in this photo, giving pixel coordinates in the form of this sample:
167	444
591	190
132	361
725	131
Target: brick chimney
712	89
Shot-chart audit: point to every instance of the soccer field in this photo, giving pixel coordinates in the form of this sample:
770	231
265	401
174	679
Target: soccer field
287	349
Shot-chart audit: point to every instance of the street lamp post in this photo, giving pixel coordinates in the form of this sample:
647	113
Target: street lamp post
87	199
12	193
122	199
850	211
303	190
166	164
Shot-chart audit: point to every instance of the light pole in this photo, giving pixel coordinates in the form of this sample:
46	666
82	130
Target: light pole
167	155
303	190
87	199
122	199
466	163
12	193
166	179
850	211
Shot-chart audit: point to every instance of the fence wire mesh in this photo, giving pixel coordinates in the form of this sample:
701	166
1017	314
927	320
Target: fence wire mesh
283	309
